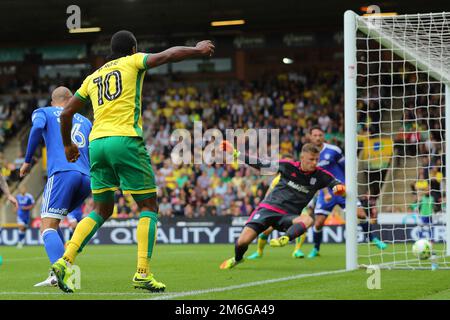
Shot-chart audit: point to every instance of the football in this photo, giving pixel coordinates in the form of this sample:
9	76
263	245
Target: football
422	249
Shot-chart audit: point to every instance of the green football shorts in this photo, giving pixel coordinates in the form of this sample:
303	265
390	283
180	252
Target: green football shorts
121	162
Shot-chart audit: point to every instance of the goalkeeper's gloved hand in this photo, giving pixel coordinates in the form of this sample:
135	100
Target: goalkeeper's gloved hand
228	147
339	190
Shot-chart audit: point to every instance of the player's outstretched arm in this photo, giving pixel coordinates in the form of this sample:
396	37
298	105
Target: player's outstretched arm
202	49
71	150
339	190
34	139
337	187
253	162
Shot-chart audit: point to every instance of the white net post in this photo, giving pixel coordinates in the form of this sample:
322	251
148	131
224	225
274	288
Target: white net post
447	167
351	162
398	107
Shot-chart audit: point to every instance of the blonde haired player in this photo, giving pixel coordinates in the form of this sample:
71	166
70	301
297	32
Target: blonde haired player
308	211
299	182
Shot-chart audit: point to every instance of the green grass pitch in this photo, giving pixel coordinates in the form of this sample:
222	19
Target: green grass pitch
192	272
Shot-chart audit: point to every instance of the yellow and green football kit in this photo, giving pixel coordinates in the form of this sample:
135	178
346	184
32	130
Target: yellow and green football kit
117	151
118	157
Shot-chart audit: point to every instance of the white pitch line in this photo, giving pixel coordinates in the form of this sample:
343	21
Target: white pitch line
45	258
25	259
78	293
168	295
244	285
398	262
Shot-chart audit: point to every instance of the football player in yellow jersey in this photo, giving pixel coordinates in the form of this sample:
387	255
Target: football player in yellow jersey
117	151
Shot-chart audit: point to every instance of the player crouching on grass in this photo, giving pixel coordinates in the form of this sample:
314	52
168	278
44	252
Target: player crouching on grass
299	182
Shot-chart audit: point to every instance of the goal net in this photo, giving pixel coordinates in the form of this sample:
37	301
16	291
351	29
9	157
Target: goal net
397	82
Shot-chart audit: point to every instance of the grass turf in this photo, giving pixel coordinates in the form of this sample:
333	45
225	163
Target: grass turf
106	273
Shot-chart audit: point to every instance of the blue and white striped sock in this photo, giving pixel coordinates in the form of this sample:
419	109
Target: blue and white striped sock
53	244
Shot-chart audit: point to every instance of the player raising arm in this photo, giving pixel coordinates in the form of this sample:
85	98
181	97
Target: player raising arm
280	209
117	150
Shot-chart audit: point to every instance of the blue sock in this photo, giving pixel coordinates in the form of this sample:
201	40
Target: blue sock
21	236
426	232
61	235
53	244
421	233
317	238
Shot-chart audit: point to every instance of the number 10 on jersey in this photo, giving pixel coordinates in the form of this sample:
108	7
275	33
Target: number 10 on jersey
104	90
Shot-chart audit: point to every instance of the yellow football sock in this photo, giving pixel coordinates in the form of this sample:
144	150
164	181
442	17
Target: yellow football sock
84	231
146	238
299	241
262	241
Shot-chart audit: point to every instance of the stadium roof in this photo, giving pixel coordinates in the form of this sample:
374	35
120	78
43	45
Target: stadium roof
28	21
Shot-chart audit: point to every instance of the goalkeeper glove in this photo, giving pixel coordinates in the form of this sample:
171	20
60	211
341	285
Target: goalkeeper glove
339	190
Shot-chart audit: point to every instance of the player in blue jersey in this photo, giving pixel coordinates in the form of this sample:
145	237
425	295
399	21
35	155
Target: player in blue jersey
68	183
332	159
26	203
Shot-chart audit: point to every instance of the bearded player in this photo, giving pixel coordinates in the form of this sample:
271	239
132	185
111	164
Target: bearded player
332	159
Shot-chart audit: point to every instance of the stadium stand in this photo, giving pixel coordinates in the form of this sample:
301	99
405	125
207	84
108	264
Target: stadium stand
292	101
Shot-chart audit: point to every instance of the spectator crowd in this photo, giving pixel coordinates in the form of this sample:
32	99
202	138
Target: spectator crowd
291	102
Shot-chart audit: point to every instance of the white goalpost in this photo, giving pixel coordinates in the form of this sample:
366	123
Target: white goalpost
397	116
